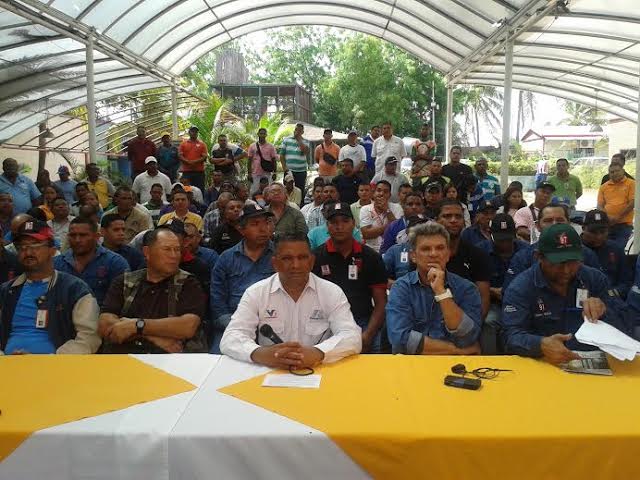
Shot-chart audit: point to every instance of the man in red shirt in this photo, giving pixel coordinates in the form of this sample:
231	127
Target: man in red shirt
192	154
138	149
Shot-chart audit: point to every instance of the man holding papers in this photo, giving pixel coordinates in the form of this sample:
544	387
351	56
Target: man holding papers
545	305
309	315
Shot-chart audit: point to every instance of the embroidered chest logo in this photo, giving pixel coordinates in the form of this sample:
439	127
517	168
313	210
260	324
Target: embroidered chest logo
273	313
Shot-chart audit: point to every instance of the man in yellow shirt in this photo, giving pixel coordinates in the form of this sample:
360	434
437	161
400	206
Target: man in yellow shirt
102	187
180	202
616	198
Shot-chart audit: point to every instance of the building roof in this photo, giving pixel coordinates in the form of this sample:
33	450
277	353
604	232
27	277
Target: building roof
562	132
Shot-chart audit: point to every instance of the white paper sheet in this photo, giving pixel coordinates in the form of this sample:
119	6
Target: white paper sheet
608	339
291	381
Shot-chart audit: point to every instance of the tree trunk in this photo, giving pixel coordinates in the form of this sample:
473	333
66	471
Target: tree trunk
520	115
42	144
475	114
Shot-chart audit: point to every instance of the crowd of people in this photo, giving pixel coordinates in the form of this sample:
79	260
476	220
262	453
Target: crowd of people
363	259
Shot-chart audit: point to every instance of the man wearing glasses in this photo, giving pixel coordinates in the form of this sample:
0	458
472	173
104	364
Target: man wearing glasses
45	311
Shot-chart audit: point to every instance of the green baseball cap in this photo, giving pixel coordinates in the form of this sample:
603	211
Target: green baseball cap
560	243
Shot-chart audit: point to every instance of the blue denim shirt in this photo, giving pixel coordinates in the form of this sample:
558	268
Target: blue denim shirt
98	274
412	313
614	265
233	274
525	258
500	265
208	256
531	310
474	236
396	260
23	192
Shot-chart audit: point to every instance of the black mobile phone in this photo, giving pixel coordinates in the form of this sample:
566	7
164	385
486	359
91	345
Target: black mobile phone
462	382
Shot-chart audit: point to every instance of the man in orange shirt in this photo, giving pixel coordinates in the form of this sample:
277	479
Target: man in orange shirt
192	154
326	156
616	198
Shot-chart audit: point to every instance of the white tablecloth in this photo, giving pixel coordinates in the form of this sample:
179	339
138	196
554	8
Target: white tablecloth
195	435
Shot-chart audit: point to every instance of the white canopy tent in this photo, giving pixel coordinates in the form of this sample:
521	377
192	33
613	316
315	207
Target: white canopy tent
586	51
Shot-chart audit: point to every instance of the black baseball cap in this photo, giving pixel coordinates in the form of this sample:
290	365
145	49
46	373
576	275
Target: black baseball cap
546	185
390	160
340	208
433	186
486	205
35	229
503	227
175	225
254	210
596	219
414	220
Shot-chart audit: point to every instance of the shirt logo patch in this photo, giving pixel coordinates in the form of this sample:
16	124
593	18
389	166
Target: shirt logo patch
271	313
317	315
510	309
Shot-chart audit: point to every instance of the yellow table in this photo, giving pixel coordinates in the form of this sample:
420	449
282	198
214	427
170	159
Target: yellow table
395	418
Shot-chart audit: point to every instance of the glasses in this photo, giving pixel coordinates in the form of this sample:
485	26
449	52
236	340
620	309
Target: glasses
31	247
486	373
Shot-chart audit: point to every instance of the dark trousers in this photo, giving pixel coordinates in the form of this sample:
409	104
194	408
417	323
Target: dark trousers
196	178
300	180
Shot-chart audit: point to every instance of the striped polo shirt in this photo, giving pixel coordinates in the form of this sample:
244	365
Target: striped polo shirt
296	161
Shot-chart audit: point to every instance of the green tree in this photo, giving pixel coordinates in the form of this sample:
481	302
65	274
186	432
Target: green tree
482	104
526	110
295	54
578	114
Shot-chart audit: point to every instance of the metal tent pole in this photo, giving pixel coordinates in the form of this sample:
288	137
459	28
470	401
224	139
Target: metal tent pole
449	132
506	115
91	101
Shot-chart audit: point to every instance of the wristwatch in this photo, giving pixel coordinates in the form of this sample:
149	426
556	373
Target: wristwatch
447	294
139	326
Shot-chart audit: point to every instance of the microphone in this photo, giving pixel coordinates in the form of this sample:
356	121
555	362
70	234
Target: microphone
268	332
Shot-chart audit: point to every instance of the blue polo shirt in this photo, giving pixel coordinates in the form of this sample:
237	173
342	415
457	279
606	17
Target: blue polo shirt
413	313
98	274
389	238
23	192
614	265
525	258
490	186
233	274
134	258
531	310
396	261
500	265
208	256
24	334
68	189
474	200
474	236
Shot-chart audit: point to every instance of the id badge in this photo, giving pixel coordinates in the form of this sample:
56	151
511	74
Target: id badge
353	272
581	295
325	270
42	318
404	257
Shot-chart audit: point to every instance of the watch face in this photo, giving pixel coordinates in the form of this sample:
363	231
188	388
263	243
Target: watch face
140	324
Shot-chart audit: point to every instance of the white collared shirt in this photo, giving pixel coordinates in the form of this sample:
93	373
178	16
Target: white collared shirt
369	217
321	317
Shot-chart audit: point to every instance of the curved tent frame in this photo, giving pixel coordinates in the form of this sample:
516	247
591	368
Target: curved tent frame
584	50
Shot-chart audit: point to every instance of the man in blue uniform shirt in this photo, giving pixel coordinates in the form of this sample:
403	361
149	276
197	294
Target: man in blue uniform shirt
396	259
548	216
546	304
479	234
595	233
432	311
88	261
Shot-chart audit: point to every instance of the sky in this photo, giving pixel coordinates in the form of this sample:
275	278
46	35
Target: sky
548	109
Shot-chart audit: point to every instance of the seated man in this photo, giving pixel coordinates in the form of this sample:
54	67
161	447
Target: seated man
310	315
157	309
525	258
375	217
412	204
320	234
112	229
358	270
430	310
240	267
45	311
595	235
88	261
396	259
192	241
136	217
546	304
479	234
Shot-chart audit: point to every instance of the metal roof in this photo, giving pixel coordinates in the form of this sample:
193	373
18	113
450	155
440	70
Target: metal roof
583	50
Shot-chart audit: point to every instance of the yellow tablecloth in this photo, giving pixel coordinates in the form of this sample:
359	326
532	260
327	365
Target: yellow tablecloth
41	391
395	418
